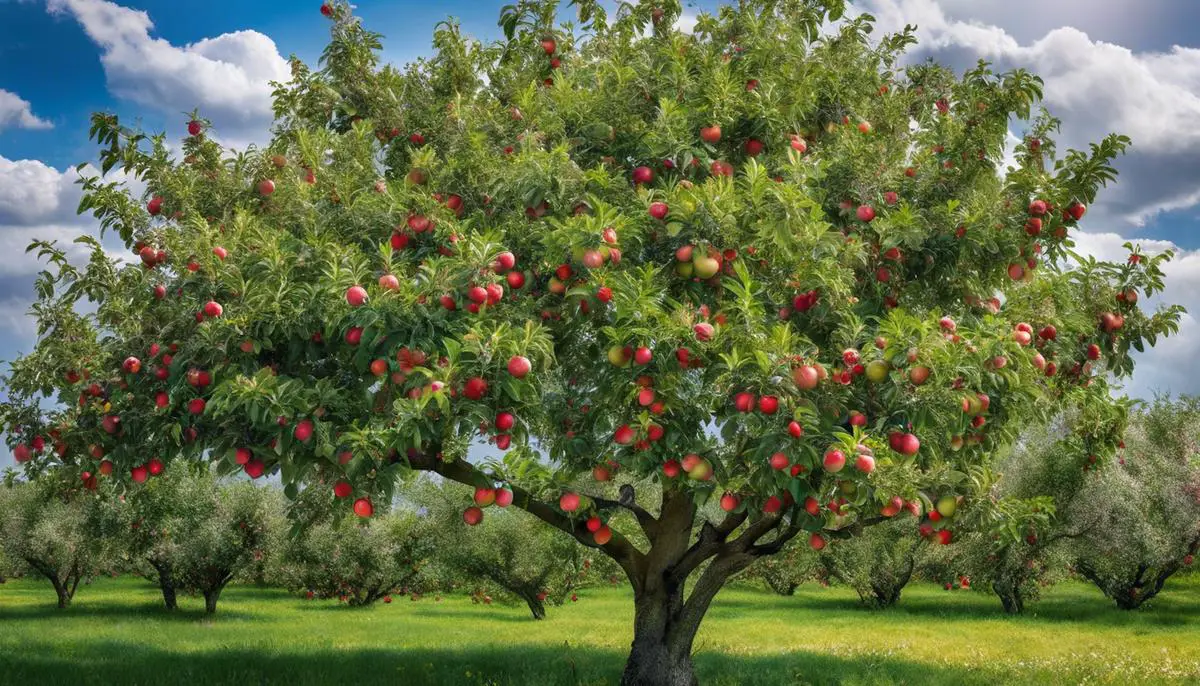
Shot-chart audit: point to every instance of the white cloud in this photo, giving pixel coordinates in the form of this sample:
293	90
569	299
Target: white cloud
227	77
30	191
18	113
1096	88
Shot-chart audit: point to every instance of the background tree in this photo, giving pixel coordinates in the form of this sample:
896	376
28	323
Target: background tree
158	517
724	259
507	550
1148	506
785	571
358	562
56	532
879	563
212	550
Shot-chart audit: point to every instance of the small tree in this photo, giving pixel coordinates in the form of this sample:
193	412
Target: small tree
878	564
358	562
213	549
56	532
158	518
723	259
796	564
507	549
1148	505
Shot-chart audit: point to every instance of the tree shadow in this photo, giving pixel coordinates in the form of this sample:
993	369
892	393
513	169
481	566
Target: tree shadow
114	662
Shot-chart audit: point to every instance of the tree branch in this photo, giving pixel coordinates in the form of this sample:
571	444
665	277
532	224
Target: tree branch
707	545
618	548
626	501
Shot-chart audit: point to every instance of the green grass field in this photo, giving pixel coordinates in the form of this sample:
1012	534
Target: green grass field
118	633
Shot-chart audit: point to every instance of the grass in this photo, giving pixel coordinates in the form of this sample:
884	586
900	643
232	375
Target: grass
118	633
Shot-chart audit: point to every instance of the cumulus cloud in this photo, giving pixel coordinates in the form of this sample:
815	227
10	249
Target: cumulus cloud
1096	87
16	112
227	77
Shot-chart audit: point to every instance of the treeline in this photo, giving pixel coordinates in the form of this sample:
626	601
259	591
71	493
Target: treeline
1126	526
186	531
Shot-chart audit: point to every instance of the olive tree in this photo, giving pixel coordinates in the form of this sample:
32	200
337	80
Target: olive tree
878	564
1148	506
56	532
723	259
359	562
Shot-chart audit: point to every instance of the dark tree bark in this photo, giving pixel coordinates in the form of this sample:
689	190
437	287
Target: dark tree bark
537	608
63	591
665	619
210	600
1009	593
166	582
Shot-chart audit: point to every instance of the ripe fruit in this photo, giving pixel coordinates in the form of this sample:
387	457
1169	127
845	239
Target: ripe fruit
795	430
806	377
703	331
906	444
161	399
342	489
918	375
568	502
379	367
671	469
504	496
356	296
213	309
659	210
710	134
603	535
865	213
1076	210
834	460
816	541
303	430
484	496
220	252
196	405
601	473
798	144
389	282
1038	208
1093	352
768	404
22	453
864	463
779	461
519	366
131	365
623	435
363	508
642	355
504	421
242	455
266	187
154	206
772	504
475	388
730	502
947	324
354	335
642	175
754	147
139	474
472	515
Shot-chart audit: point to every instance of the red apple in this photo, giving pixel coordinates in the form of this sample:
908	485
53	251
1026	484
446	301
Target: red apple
356	296
834	460
519	366
568	502
363	508
342	489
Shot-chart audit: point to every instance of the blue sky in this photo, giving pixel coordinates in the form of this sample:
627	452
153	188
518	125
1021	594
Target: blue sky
1131	66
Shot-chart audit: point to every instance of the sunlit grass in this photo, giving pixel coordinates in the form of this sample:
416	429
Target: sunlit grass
117	633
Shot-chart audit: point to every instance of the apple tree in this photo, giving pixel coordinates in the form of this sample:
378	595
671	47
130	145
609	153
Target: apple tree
1147	506
761	262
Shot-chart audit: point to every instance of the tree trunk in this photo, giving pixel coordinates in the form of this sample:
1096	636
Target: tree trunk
210	600
1010	597
661	653
166	582
536	607
64	593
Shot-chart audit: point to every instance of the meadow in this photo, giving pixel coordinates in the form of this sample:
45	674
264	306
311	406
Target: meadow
117	633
